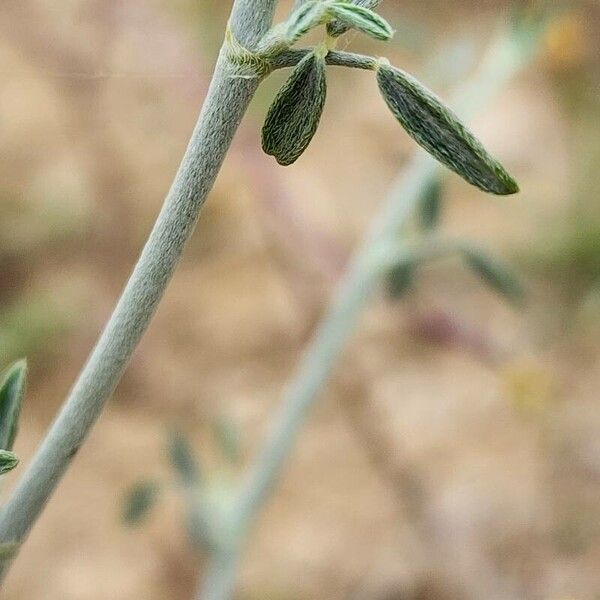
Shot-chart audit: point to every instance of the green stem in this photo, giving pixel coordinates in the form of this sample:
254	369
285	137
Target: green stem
336	58
225	104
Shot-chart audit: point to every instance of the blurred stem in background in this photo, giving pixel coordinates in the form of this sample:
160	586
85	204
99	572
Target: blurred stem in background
511	50
226	102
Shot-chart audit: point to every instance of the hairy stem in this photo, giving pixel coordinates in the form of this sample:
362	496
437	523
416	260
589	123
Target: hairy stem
336	58
500	63
225	104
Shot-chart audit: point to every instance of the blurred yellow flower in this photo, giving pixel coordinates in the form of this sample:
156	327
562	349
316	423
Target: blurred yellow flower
566	43
529	387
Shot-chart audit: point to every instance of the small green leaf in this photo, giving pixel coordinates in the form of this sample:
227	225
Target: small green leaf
431	204
400	279
358	17
435	127
336	28
303	19
227	438
8	461
495	274
12	391
182	458
296	111
139	501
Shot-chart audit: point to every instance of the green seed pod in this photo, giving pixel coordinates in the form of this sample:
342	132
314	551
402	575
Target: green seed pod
495	274
361	18
296	111
435	127
8	461
336	28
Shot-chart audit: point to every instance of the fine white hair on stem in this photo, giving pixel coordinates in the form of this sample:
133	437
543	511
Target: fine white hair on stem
225	104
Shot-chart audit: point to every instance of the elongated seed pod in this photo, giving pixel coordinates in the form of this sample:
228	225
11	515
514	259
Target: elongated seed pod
336	27
296	111
435	127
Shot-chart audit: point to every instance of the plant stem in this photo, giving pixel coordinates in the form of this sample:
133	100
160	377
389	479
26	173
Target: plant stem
502	60
225	104
336	58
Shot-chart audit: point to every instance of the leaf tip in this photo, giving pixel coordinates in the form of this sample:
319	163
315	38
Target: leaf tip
8	461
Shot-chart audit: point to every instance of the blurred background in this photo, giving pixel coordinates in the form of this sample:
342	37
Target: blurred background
456	452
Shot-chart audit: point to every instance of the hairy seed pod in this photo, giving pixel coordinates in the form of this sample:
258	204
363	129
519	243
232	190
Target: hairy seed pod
435	127
296	111
336	27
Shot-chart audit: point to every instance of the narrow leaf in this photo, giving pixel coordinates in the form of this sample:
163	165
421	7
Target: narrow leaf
296	111
495	274
8	461
303	19
12	390
361	18
435	127
140	500
182	458
400	279
431	204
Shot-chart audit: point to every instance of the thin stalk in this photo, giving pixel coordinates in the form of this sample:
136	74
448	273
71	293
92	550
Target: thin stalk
225	104
501	62
335	58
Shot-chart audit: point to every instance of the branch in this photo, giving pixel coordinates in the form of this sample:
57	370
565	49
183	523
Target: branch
336	58
501	62
225	104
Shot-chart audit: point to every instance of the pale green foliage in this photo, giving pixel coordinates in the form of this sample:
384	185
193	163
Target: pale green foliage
182	459
303	19
336	28
362	19
8	461
12	391
494	273
139	501
430	207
